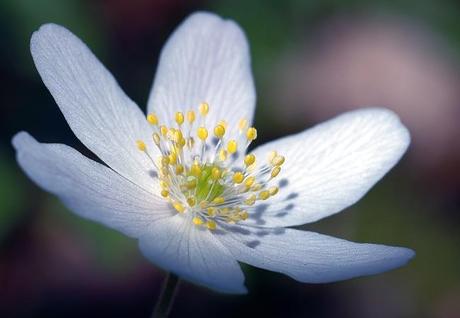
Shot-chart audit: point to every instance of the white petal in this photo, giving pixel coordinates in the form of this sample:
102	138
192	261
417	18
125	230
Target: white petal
193	253
205	60
97	110
311	257
331	166
88	188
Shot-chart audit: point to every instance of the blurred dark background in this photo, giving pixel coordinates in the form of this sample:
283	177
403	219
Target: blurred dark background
311	60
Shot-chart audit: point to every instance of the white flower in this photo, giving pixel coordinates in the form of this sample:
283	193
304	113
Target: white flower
186	190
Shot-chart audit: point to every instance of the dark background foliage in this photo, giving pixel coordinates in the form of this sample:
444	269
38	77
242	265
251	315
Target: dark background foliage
311	60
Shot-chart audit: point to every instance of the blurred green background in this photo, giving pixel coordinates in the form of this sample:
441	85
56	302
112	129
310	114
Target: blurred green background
311	60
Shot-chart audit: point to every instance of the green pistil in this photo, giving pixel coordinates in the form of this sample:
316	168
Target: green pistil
207	188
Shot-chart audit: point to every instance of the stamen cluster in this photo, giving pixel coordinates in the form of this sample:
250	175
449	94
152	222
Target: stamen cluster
207	175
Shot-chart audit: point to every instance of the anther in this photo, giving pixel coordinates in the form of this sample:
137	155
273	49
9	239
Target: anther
210	224
156	139
215	173
195	169
277	161
191	183
179	118
211	212
164	130
238	177
222	123
232	146
249	181
273	190
172	158
219	131
272	155
165	160
251	200
197	221
141	145
204	109
218	200
179	207
264	195
244	215
152	119
222	155
251	134
249	159
275	171
190	116
179	169
191	201
202	133
243	123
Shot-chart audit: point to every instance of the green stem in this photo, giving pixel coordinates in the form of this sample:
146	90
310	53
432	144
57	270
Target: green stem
166	300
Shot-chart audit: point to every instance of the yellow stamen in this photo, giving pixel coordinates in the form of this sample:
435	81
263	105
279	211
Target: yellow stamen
152	119
251	134
215	173
179	169
191	201
172	158
238	177
277	161
164	130
219	131
272	156
251	200
243	123
211	224
222	123
179	118
202	133
156	139
244	215
211	212
273	190
249	159
201	180
197	221
191	184
218	200
249	181
264	195
179	207
164	160
232	146
275	171
195	169
204	109
222	155
141	145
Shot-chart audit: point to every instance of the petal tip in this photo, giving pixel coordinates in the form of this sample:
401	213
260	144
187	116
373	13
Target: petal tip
393	121
19	139
47	33
407	254
45	29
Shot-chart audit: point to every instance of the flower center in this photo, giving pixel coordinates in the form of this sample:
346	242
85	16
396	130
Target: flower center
209	176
